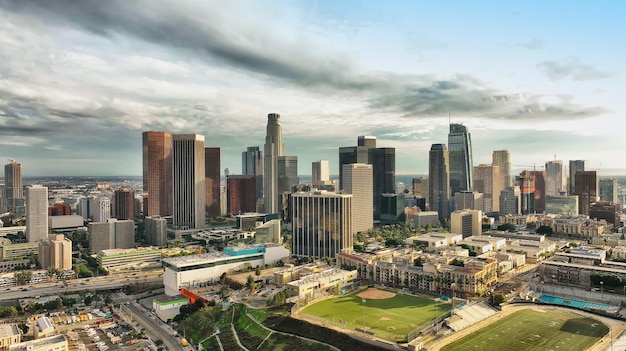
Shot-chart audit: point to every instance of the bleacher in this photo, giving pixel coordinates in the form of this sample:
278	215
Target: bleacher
468	315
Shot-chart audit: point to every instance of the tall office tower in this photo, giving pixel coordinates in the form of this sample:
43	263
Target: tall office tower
55	252
156	231
420	187
466	222
586	189
489	181
3	199
526	183
355	154
383	161
502	159
320	172
212	182
540	190
322	224
274	148
510	201
609	189
611	212
468	200
36	213
124	204
555	183
575	166
287	172
439	180
13	187
252	164
461	162
99	209
358	181
241	193
157	174
188	181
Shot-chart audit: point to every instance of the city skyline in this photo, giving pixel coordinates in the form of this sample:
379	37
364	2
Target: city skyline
80	82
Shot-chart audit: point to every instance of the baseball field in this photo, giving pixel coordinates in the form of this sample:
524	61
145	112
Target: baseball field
381	313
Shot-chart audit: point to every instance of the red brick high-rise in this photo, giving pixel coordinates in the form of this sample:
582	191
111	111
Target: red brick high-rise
540	190
60	210
212	181
157	174
241	190
124	204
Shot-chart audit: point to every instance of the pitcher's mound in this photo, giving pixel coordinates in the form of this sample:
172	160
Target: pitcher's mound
376	294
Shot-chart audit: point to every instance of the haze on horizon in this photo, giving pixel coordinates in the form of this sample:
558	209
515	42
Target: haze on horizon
80	81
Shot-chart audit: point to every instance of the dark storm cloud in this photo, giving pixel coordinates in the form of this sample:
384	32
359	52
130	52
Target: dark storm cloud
163	23
571	68
468	97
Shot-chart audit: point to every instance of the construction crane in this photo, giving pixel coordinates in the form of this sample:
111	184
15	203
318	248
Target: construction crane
534	166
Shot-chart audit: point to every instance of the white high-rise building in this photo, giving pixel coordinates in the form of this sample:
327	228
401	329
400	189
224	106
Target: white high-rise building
320	172
322	224
555	178
100	209
188	181
274	148
358	181
36	213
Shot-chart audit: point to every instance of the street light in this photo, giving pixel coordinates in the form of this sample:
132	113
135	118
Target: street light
453	285
601	285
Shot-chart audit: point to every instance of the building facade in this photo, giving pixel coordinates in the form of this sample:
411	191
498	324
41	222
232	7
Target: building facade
14	187
36	213
241	193
586	189
439	180
461	159
489	181
555	178
502	159
124	204
155	231
252	164
188	181
322	224
274	148
358	181
55	252
510	201
320	172
157	174
574	167
609	189
212	182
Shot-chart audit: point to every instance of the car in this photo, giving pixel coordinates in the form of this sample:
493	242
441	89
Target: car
24	289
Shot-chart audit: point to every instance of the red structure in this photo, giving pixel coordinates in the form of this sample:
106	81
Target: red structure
158	198
60	210
241	190
124	204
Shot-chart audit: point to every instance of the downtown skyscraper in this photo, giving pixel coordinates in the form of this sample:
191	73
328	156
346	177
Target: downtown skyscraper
252	164
157	174
13	187
188	181
212	182
36	213
274	148
461	160
502	159
575	166
439	180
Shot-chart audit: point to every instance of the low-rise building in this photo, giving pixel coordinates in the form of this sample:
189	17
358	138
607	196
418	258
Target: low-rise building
434	241
129	259
168	307
483	243
186	271
50	343
310	286
10	251
534	251
43	327
10	334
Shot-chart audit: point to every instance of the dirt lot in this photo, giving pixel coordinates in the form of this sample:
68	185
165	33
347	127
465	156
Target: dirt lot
376	294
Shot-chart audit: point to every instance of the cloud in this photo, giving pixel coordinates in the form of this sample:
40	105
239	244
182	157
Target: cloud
533	44
571	68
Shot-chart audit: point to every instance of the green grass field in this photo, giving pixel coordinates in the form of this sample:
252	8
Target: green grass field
536	330
389	319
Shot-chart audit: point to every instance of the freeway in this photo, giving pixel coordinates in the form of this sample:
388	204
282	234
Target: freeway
95	283
152	327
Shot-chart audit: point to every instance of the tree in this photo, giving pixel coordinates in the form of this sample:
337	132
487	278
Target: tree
22	277
88	300
544	229
251	285
257	271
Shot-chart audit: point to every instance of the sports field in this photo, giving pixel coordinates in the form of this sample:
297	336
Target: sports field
384	314
535	329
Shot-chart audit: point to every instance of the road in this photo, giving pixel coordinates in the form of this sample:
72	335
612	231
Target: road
73	285
153	329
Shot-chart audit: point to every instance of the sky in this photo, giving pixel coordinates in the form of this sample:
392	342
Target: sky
81	80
